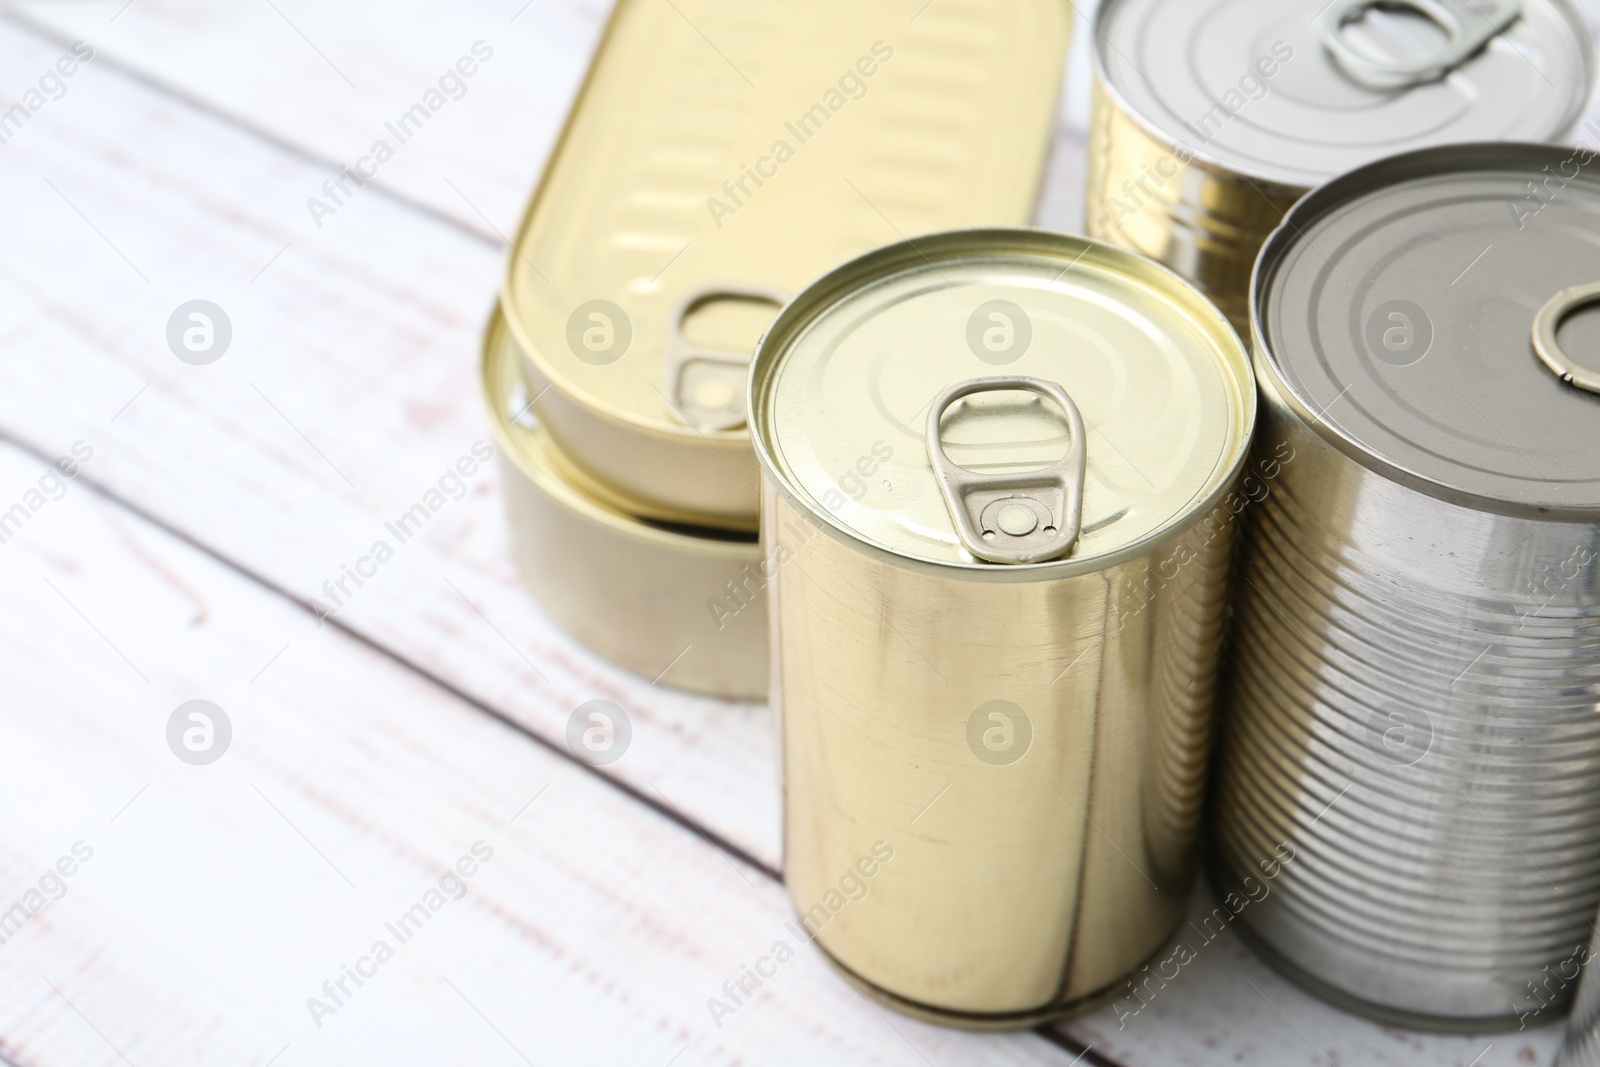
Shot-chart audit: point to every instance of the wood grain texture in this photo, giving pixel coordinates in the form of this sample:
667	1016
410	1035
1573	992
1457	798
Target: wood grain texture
361	334
218	899
350	388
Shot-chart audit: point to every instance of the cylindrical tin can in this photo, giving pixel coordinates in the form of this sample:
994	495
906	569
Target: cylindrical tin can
719	157
1582	1045
1414	707
680	606
997	604
1212	117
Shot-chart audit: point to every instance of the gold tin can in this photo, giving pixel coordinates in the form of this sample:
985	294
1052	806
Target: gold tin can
680	606
1211	118
719	157
999	472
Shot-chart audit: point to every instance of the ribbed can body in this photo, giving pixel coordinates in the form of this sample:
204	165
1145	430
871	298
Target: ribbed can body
1414	705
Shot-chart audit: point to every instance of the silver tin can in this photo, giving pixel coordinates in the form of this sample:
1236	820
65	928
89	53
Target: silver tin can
1212	117
1414	702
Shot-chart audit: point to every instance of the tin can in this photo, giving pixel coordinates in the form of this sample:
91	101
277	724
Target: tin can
719	157
1212	117
1413	725
680	606
998	466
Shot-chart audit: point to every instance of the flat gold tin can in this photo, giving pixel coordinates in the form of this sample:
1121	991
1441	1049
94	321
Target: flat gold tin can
722	154
681	607
1000	469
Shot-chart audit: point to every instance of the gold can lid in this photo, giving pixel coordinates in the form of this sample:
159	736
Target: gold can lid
1090	401
698	186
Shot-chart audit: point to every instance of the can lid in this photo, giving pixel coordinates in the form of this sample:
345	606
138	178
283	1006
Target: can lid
1294	92
981	398
1430	315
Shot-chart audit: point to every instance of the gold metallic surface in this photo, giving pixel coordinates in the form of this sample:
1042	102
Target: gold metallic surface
1202	220
655	600
1025	877
747	145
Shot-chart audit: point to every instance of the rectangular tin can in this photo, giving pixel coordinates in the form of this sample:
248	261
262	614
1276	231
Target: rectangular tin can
994	681
721	154
1211	118
676	605
1411	731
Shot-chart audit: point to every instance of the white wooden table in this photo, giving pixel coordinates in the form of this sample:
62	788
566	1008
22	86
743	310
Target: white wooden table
426	719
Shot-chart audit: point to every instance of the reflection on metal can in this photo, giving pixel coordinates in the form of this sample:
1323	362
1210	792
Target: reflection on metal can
680	606
1212	117
719	157
998	601
1415	693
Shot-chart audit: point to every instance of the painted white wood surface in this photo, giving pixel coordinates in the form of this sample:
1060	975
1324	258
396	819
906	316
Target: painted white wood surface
362	333
219	898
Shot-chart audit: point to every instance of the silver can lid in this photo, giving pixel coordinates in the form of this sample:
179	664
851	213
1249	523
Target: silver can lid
1437	317
1294	92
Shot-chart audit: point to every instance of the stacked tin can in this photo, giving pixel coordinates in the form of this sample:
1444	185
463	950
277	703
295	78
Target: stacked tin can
1212	117
694	189
1415	703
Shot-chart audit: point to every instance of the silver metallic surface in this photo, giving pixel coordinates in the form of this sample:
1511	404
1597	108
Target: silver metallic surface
1414	706
1212	117
1466	28
1024	517
1548	345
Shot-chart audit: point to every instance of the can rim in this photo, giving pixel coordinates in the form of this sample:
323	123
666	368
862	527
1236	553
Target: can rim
515	451
1343	190
1270	186
900	256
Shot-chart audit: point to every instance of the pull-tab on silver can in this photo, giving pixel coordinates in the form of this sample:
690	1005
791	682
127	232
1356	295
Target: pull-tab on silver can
1212	117
1000	473
1415	691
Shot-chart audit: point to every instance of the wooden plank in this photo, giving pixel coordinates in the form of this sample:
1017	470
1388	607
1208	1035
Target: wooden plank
349	389
326	78
209	903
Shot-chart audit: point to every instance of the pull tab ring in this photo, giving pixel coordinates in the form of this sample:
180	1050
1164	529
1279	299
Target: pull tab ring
1549	347
707	386
1013	518
1468	31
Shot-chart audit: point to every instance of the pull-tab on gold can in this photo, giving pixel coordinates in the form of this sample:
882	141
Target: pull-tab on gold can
997	605
724	154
